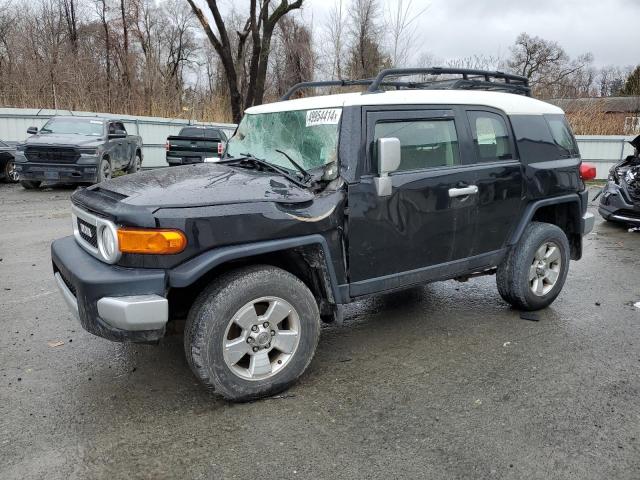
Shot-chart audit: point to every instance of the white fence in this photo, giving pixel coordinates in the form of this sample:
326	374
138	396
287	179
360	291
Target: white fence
153	130
603	151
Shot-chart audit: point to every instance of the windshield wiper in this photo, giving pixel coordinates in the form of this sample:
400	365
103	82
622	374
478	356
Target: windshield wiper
244	157
306	176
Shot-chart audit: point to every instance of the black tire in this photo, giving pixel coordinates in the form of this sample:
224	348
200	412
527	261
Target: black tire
10	173
212	312
135	166
104	170
30	184
512	278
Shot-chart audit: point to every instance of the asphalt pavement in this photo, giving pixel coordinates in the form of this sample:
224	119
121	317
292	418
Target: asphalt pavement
443	381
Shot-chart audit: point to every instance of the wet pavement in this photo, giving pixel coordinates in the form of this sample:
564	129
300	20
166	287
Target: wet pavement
444	381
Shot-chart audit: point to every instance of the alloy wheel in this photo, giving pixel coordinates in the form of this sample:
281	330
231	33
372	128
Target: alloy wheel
545	269
12	173
261	338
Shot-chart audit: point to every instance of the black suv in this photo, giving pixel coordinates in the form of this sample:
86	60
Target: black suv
321	201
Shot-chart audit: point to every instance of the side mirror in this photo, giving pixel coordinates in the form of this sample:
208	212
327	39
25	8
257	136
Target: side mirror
32	130
118	134
388	161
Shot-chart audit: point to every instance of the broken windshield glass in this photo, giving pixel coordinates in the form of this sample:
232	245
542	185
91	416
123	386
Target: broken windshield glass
309	137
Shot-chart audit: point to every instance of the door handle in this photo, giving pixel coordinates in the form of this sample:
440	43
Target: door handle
463	192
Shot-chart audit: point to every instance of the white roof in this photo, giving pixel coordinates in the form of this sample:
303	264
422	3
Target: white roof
510	103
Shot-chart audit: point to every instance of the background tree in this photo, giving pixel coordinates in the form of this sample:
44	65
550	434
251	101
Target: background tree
632	85
366	56
293	55
550	70
260	24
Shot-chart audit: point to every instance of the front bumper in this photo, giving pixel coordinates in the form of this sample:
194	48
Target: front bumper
116	303
615	205
49	172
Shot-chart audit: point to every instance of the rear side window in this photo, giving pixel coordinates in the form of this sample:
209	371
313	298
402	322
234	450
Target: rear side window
562	135
423	143
535	142
490	137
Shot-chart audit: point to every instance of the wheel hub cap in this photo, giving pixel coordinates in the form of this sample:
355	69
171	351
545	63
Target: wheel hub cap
261	338
545	269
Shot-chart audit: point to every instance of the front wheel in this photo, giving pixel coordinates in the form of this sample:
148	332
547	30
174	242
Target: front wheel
252	333
11	175
535	269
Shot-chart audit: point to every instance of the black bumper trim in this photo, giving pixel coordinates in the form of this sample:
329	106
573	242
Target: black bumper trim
65	173
90	280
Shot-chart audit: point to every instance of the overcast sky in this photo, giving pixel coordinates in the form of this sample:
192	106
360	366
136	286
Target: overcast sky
610	29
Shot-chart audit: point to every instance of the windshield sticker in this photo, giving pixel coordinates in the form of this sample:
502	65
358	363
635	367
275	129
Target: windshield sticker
326	116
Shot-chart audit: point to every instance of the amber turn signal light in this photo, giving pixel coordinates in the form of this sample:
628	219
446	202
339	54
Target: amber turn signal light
151	241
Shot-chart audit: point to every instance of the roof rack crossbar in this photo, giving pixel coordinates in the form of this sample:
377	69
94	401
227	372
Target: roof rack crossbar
481	79
344	83
489	76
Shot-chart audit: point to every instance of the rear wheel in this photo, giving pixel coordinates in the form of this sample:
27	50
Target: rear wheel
136	164
104	170
10	173
535	269
30	184
252	333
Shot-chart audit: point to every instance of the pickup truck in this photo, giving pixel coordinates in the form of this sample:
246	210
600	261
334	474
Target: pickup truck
77	150
196	144
322	201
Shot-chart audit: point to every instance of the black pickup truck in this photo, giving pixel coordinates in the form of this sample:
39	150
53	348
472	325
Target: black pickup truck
196	144
321	201
77	149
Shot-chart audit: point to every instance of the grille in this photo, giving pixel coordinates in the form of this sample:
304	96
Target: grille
88	233
52	154
634	193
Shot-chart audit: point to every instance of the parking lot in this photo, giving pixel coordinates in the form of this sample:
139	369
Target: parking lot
443	381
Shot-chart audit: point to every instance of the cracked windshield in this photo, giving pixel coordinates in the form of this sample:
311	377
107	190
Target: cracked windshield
309	137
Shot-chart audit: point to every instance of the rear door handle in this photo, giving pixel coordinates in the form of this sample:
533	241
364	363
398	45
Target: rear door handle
463	192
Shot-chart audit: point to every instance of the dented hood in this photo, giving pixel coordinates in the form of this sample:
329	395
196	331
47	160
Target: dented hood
204	184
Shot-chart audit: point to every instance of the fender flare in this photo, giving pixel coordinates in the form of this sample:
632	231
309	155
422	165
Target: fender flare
531	209
192	270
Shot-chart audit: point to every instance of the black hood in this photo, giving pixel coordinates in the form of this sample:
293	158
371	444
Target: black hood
204	184
59	139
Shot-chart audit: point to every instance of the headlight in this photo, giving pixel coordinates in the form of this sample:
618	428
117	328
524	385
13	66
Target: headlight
89	152
108	244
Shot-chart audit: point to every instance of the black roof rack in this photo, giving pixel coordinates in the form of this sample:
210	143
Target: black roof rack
470	80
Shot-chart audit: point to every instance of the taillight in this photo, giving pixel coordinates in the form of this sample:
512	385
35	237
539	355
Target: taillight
587	171
167	146
220	149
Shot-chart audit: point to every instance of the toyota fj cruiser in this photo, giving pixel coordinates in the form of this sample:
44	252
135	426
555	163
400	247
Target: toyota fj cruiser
320	201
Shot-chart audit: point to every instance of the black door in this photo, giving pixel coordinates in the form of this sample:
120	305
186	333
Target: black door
428	221
498	176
